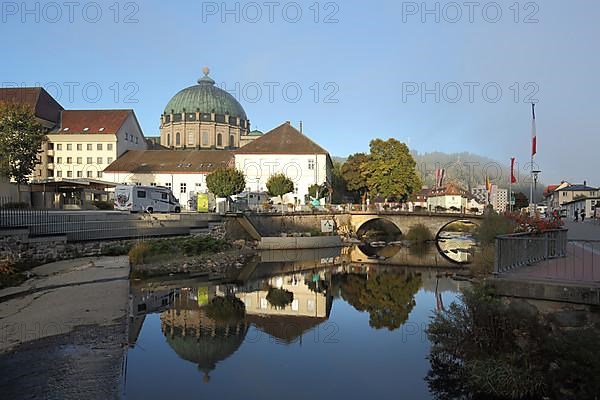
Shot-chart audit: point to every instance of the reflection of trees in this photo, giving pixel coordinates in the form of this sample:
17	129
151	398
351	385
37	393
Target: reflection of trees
387	297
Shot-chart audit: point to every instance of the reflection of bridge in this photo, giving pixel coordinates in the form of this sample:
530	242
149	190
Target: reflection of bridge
405	220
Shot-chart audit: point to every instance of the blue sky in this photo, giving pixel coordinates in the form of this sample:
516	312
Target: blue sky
369	61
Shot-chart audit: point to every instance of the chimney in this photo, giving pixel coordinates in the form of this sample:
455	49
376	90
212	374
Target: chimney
287	122
584	183
300	126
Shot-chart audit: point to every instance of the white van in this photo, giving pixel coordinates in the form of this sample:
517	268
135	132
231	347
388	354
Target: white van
148	199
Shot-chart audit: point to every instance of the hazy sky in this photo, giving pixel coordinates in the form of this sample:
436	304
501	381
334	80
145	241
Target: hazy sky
365	69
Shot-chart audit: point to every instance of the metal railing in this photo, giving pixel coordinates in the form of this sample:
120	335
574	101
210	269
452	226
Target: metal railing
84	227
524	249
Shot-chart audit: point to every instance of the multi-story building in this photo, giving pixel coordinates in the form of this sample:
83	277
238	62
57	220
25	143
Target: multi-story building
557	196
79	143
85	142
288	151
499	199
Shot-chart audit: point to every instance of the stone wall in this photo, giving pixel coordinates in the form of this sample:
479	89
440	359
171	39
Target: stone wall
18	248
274	225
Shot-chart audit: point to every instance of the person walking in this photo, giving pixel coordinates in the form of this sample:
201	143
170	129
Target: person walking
582	214
577	215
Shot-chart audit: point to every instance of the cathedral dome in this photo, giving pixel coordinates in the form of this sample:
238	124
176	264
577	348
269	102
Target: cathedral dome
207	98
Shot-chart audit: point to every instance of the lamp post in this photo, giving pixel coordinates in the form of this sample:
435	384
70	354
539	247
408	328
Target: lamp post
535	174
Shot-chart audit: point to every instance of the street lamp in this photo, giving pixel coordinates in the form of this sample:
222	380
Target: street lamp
535	174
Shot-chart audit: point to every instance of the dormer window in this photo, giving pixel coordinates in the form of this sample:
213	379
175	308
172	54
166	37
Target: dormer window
86	129
101	130
65	129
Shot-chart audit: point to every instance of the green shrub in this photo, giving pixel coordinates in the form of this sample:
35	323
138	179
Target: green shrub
159	249
113	250
419	233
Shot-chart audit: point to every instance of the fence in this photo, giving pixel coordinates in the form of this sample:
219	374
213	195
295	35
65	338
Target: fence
85	227
520	250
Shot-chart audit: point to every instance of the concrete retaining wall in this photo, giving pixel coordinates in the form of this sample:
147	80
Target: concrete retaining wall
546	290
281	243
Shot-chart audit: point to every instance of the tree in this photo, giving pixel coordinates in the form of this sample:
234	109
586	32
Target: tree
225	182
352	173
390	170
278	185
314	190
21	138
521	201
338	184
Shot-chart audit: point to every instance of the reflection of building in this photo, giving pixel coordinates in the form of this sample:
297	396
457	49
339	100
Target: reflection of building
310	305
196	337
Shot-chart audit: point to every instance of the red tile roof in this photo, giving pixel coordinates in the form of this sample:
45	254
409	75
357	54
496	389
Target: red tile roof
449	190
96	121
36	98
285	139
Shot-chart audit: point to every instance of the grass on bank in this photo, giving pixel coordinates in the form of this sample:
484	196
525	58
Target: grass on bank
163	249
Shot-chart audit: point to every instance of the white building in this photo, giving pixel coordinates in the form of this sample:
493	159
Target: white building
589	204
284	150
499	199
448	198
182	171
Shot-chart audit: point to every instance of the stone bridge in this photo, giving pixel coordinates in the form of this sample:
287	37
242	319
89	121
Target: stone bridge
405	220
275	224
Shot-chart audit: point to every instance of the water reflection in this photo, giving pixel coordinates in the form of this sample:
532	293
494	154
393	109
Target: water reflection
329	317
198	335
457	241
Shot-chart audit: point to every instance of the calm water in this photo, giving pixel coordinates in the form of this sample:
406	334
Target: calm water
344	331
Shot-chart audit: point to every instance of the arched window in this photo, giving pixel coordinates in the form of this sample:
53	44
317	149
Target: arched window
231	140
219	140
168	140
177	139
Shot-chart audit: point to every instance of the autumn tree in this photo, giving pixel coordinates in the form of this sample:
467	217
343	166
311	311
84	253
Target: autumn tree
226	182
21	138
353	174
390	170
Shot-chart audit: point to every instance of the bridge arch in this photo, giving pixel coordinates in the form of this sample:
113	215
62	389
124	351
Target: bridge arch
463	220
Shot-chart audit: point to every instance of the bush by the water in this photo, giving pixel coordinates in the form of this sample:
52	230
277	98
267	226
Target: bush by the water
493	225
483	348
158	249
226	309
419	234
280	298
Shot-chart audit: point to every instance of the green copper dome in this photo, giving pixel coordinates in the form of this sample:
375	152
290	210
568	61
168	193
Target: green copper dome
207	98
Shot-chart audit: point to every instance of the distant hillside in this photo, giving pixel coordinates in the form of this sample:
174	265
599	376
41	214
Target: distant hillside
466	169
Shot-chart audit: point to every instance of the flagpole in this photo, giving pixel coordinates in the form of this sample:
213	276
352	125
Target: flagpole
510	205
533	150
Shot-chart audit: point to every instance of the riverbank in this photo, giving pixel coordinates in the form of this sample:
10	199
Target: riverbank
63	333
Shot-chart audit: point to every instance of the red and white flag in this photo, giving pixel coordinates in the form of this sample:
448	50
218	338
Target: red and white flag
533	133
513	178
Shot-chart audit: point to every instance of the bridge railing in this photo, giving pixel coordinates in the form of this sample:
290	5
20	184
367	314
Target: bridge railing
523	249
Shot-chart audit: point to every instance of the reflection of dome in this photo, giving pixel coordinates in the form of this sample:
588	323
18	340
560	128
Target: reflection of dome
285	328
205	97
207	351
199	339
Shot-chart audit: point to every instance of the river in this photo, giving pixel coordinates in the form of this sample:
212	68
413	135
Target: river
315	327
